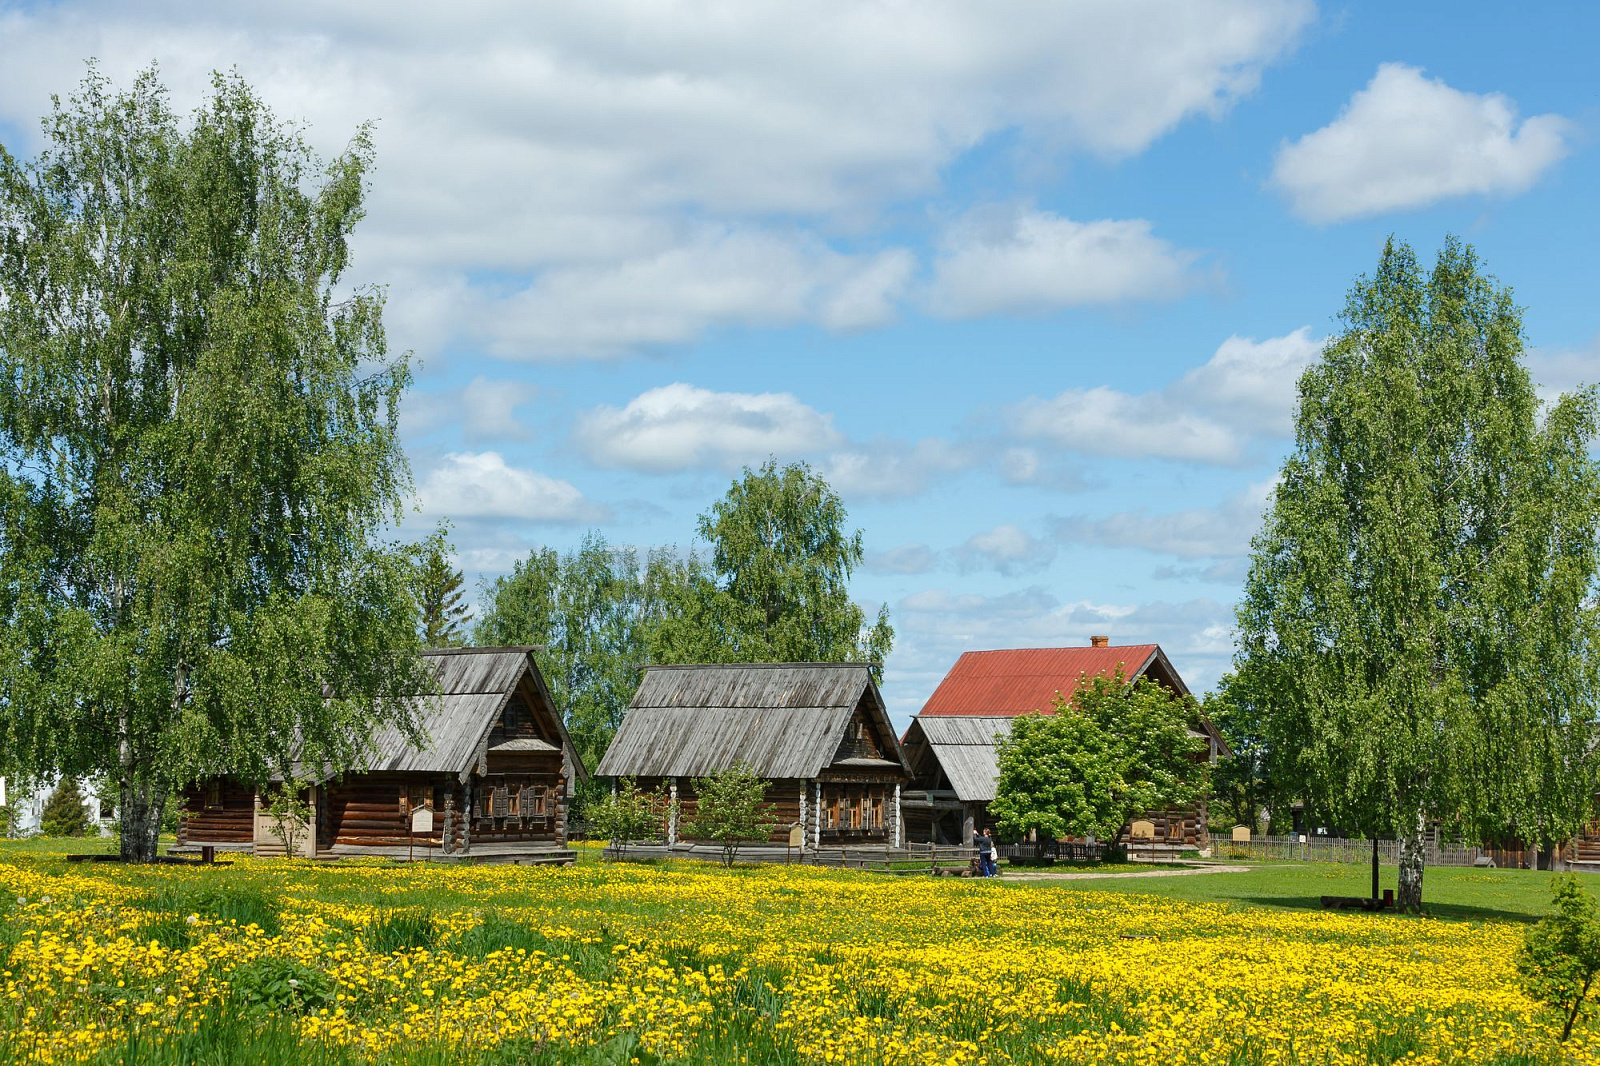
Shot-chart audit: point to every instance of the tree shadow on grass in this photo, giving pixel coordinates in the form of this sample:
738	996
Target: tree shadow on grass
1453	912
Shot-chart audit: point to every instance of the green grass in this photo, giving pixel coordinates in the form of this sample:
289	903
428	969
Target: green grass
579	916
1450	892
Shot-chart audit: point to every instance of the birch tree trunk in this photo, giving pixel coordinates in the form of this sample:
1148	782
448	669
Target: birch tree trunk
139	817
1413	841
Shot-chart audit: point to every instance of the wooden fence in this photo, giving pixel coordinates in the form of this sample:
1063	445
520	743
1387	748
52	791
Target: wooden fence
1345	849
1058	851
912	859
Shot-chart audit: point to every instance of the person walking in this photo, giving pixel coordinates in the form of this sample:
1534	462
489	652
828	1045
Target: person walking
985	842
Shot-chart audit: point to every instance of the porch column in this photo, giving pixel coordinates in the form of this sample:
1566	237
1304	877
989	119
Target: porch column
446	843
817	786
898	833
804	825
969	826
672	813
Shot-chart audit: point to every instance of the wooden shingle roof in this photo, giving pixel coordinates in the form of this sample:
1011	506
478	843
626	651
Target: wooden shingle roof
966	749
786	720
475	685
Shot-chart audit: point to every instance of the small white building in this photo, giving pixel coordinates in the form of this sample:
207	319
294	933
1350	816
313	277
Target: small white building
27	805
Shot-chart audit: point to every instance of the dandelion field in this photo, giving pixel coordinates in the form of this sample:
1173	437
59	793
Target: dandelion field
623	963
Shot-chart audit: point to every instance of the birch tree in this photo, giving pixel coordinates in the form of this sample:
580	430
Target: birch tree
778	585
198	453
1418	621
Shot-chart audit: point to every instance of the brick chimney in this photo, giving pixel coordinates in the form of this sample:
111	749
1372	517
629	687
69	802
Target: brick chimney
1099	642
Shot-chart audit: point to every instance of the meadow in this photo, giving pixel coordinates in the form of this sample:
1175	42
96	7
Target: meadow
686	962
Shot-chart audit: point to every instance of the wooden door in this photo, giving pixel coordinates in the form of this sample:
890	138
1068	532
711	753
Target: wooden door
266	843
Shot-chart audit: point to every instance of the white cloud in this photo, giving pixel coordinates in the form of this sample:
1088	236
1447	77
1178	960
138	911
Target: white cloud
1228	571
480	485
683	427
483	410
1026	261
1219	532
559	144
1407	141
905	559
1104	421
1246	390
1254	384
1559	371
883	468
718	277
679	427
1028	466
1005	549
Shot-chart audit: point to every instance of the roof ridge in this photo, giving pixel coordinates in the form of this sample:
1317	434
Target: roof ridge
486	649
1065	647
750	666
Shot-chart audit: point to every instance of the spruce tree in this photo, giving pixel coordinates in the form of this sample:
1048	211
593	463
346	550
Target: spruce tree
439	595
65	814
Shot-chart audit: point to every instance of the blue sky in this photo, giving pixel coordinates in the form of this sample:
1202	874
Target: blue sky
1031	283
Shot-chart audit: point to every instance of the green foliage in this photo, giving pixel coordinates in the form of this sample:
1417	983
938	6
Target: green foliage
591	610
778	585
439	594
289	806
65	813
8	821
401	931
775	589
1418	624
1560	955
590	956
1249	780
628	814
277	986
1117	750
243	904
175	908
199	452
732	810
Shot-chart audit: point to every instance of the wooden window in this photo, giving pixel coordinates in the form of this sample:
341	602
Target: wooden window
514	801
502	802
213	797
538	802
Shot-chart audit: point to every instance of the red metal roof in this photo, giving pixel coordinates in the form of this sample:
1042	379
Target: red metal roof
1027	679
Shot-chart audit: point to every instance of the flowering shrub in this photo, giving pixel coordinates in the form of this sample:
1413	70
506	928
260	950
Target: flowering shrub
691	962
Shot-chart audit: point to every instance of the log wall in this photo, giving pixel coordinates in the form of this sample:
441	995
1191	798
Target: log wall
525	824
856	812
231	823
374	810
1186	826
782	798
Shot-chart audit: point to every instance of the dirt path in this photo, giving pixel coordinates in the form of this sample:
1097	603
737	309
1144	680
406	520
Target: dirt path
1190	871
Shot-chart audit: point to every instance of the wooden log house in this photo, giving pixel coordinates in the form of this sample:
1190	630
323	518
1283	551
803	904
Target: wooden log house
817	732
951	745
497	773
